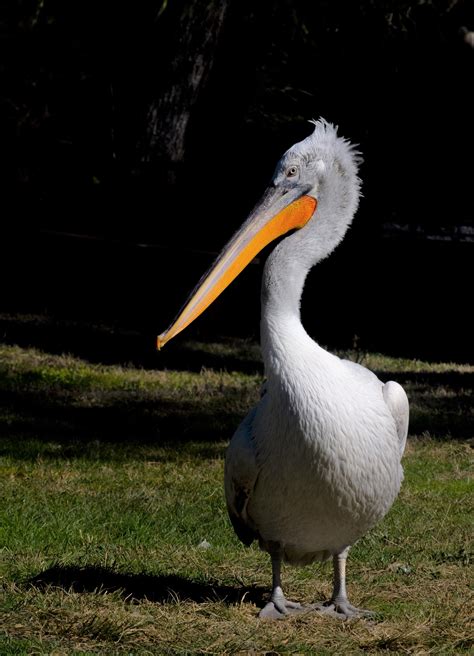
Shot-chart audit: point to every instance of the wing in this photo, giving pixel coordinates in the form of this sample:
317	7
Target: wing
364	375
241	472
394	396
397	402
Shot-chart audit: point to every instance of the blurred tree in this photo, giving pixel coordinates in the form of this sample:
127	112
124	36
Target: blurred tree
195	28
89	90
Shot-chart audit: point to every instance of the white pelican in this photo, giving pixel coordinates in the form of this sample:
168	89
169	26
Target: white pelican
316	463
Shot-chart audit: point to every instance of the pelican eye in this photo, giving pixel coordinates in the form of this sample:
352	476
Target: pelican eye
291	171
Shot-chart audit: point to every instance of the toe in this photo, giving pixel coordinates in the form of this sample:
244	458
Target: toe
341	610
349	610
278	609
271	612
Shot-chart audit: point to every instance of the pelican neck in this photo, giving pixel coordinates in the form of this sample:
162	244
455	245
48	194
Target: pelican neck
282	334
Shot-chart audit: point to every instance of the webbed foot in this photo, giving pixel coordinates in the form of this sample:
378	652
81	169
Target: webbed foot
279	607
341	609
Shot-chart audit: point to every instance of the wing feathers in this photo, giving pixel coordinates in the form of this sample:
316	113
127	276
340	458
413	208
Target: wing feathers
241	472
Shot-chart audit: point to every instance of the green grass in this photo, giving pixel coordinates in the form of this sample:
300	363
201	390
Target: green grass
111	479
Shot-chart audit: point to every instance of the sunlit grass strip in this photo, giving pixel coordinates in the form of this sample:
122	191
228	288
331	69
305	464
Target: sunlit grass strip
32	368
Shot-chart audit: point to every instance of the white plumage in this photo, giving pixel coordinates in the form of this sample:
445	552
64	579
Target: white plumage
317	462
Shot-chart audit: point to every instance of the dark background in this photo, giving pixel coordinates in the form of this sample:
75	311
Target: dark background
135	138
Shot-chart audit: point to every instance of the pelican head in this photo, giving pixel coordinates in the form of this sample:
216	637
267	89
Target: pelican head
318	172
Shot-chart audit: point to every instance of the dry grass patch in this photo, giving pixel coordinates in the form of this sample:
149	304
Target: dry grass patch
134	579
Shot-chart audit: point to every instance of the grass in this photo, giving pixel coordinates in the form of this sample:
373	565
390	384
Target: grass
114	536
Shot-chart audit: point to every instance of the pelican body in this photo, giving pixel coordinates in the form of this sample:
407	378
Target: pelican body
316	463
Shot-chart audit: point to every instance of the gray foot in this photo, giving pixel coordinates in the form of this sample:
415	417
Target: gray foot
341	609
279	607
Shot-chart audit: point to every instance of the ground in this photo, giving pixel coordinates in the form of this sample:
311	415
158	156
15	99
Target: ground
114	535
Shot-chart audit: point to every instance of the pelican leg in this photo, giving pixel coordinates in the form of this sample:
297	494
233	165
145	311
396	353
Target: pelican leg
339	606
278	607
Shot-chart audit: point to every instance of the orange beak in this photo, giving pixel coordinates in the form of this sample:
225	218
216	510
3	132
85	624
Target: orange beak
257	232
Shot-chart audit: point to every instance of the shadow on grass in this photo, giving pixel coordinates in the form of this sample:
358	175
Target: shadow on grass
118	418
136	587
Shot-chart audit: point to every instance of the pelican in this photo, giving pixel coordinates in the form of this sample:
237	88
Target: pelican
316	463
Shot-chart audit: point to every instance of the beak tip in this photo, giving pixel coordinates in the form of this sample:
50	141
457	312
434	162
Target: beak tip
160	341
